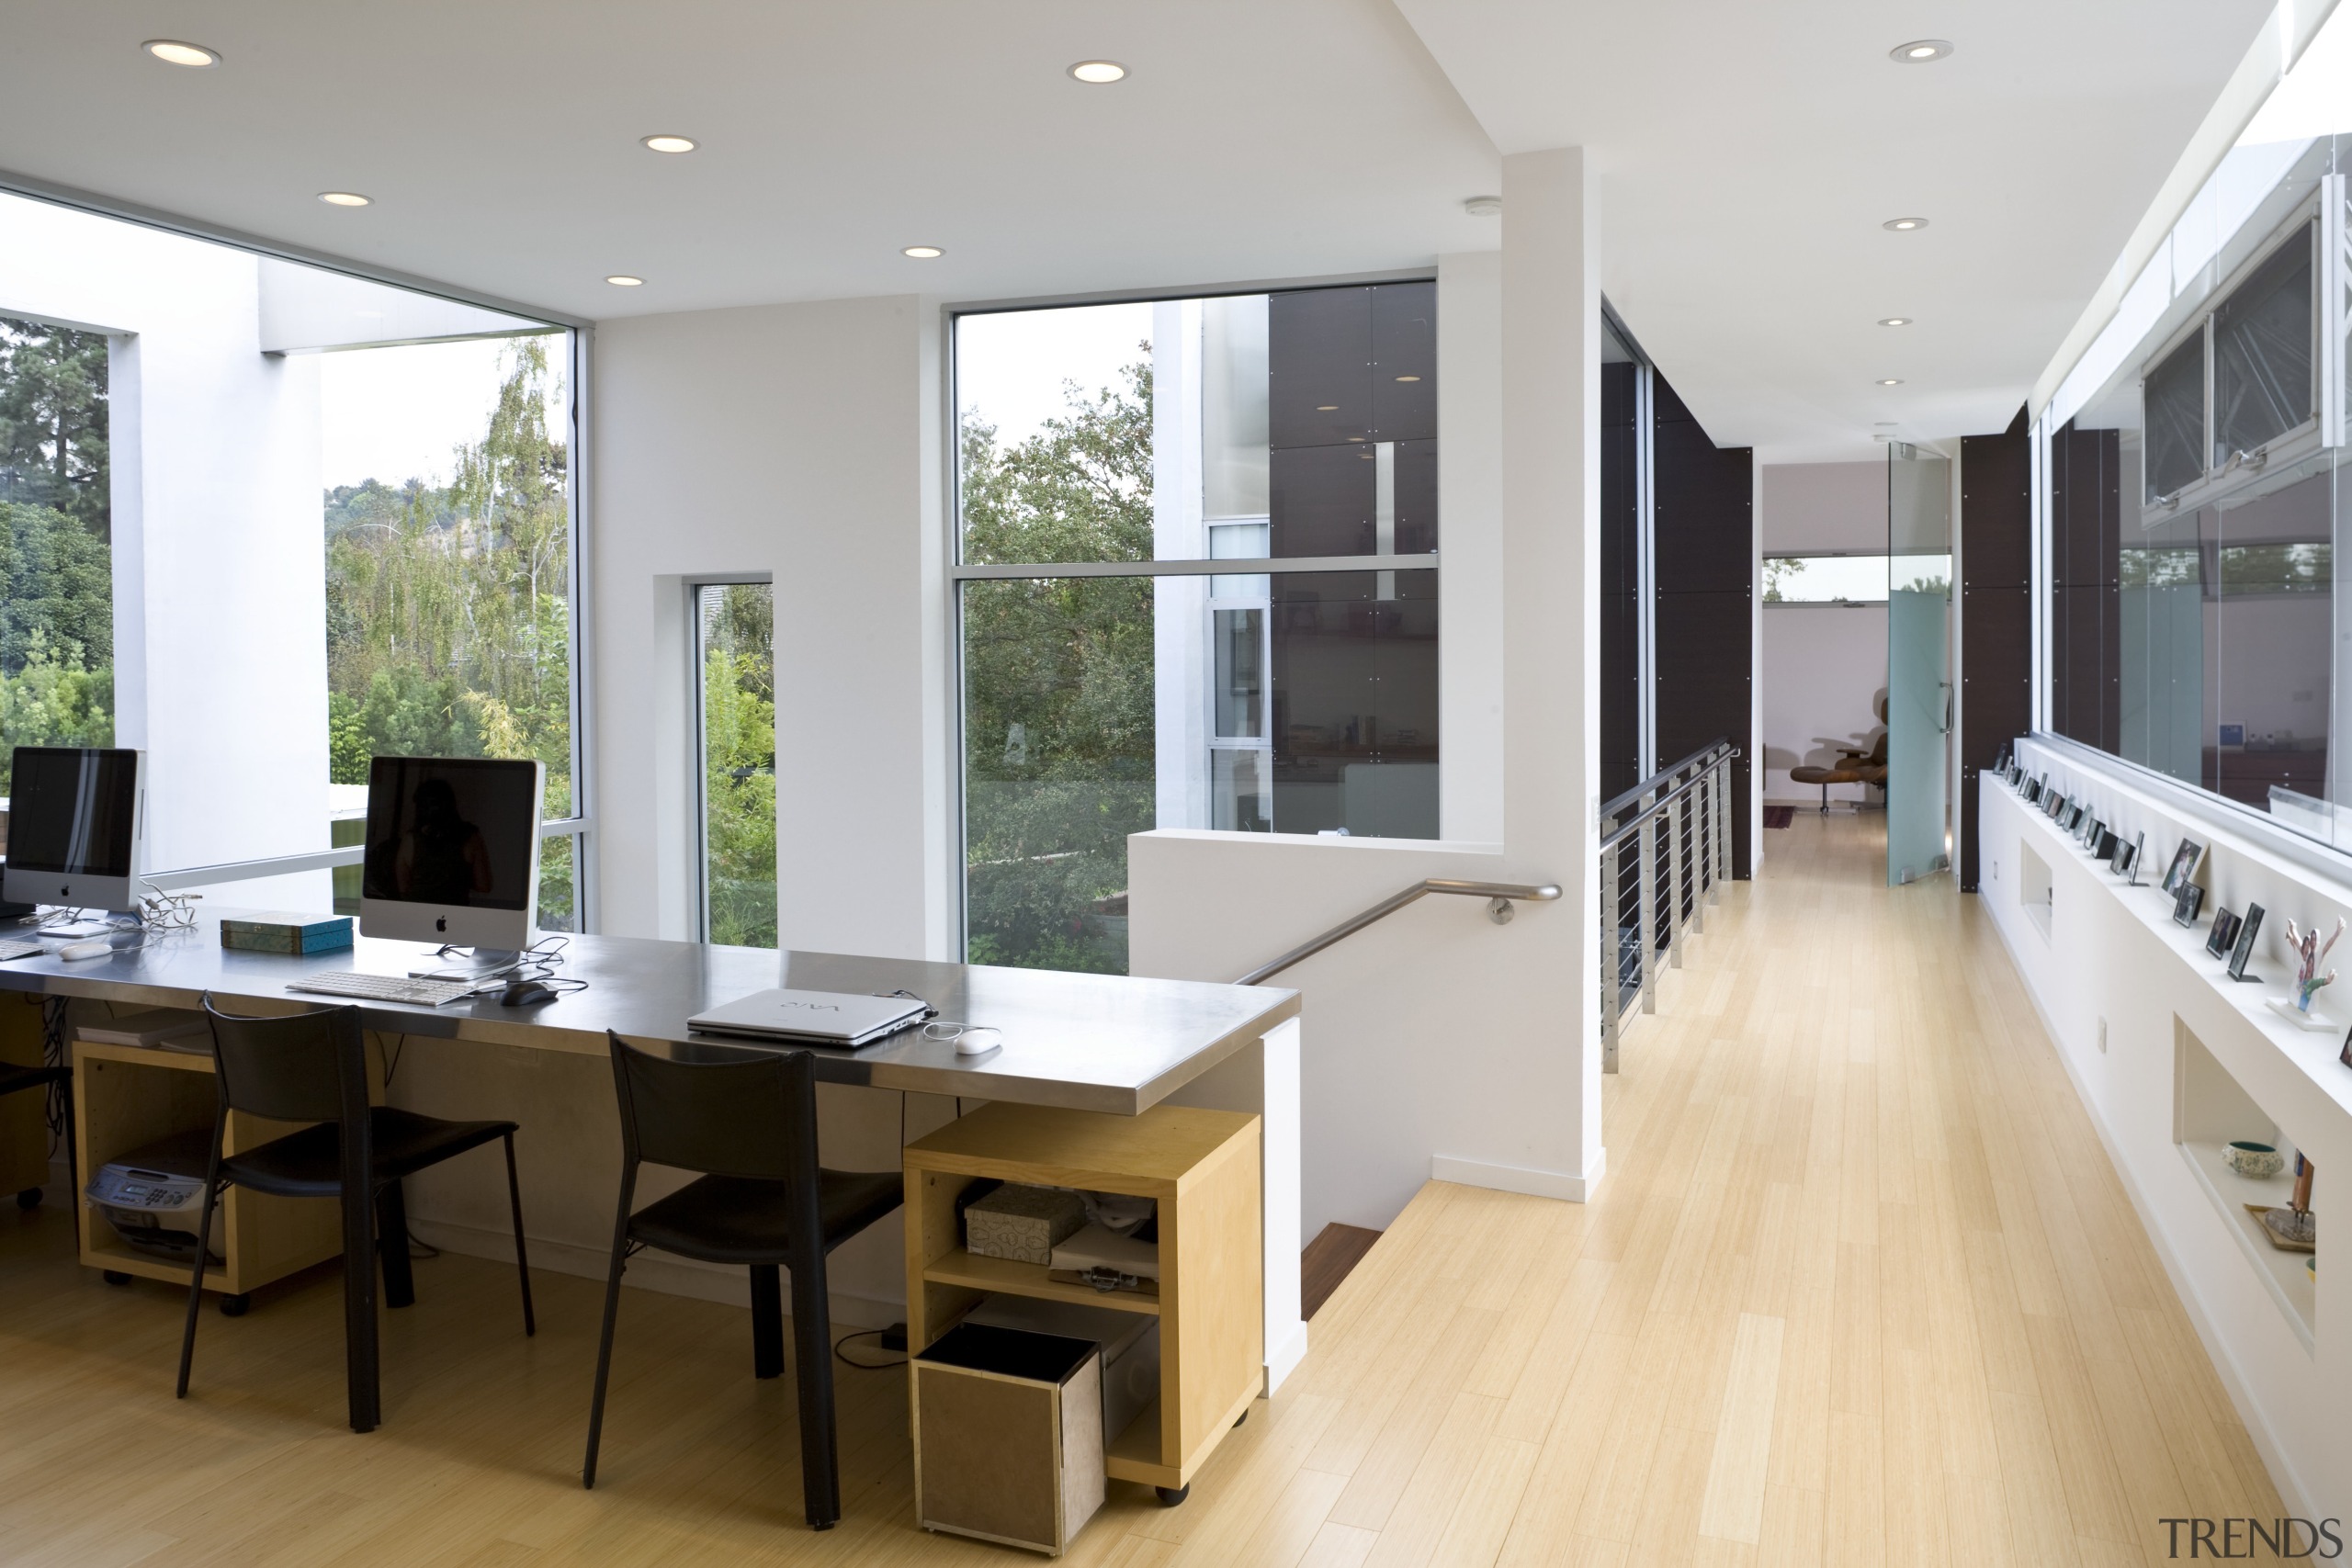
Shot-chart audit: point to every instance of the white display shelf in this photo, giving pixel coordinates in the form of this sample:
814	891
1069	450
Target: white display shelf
2284	1273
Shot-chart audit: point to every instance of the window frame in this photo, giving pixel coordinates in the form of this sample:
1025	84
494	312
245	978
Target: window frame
699	742
956	571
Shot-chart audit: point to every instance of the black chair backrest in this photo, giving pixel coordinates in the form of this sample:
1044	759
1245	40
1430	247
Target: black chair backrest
301	1067
750	1117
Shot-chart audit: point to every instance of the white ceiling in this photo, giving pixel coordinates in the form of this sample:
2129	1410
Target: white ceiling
1746	157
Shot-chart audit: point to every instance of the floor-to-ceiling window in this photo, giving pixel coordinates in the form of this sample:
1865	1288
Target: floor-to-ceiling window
265	520
1197	588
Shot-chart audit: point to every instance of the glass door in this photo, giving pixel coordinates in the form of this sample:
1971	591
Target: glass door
1919	662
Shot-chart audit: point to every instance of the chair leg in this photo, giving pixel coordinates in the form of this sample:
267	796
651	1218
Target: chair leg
1825	800
392	1240
196	1279
362	1344
767	1321
812	1344
605	1340
522	1259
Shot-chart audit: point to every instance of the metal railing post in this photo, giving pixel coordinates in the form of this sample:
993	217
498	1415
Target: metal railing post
1645	845
1612	957
1701	886
1674	882
1723	828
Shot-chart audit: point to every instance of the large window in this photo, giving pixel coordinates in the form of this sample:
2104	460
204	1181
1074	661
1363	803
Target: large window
266	521
2194	489
1197	589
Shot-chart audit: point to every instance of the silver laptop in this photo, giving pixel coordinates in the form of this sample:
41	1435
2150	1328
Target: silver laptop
815	1018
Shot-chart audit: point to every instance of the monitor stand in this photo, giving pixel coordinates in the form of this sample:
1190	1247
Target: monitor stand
467	964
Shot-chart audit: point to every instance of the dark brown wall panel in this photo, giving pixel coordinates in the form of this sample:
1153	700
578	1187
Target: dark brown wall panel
1996	612
1620	586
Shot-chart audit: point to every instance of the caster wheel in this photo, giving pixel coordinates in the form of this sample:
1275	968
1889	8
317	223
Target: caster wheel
235	1306
29	1199
1171	1495
115	1277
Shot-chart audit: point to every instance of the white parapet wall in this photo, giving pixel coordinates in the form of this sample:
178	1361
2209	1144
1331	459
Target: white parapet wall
1433	1043
2173	1060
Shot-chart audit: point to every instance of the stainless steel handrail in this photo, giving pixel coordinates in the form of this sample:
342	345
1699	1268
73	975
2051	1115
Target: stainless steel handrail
1610	840
1500	896
1609	808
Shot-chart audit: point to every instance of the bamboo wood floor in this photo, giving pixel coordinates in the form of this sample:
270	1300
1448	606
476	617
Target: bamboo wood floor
1860	1288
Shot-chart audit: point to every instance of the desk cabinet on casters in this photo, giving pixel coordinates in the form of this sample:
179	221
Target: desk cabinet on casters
128	1096
1202	1167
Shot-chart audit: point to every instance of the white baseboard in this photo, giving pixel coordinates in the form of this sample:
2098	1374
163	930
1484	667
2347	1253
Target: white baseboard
1518	1178
1283	1358
648	1270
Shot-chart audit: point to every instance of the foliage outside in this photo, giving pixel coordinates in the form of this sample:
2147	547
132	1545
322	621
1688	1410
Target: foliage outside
56	565
738	631
1060	759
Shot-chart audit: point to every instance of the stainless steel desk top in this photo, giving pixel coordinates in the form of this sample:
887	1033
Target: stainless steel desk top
1086	1042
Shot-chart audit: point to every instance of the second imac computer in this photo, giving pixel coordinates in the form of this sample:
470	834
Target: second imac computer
77	821
453	855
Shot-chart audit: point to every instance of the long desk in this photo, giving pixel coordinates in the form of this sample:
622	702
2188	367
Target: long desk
1097	1043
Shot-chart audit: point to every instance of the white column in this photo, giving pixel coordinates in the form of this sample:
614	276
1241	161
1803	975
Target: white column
1180	605
1551	380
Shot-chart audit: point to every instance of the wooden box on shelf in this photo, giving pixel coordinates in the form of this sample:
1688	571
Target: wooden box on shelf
1202	1168
128	1096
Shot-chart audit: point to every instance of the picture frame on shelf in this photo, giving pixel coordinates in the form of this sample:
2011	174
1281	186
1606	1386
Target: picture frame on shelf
2343	1057
2185	903
2183	869
2223	937
2054	806
2075	812
2092	829
2033	791
2243	948
2127	859
2103	846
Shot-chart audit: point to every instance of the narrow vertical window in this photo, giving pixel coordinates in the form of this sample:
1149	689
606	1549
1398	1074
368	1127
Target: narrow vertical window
735	686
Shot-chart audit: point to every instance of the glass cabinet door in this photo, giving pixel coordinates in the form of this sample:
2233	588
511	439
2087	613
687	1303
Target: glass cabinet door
1919	662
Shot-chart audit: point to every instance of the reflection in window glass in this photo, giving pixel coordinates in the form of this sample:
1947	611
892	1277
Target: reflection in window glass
2176	415
2262	353
1241	689
735	633
1825	579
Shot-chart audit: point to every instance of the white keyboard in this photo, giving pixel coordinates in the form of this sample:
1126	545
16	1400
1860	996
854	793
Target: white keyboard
19	950
384	988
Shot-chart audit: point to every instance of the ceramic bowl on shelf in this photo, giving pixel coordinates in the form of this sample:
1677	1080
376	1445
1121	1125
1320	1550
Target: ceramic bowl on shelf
2259	1161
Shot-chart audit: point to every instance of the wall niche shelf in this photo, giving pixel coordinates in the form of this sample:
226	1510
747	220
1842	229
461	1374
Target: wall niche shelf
2211	1109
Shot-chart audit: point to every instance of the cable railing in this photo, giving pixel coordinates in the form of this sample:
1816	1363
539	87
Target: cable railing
1500	898
1676	826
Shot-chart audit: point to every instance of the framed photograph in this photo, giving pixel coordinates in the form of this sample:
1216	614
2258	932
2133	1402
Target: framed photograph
2107	843
2343	1057
2032	791
2000	764
2075	814
2185	861
2091	830
2224	932
2130	858
2056	805
2185	903
2243	949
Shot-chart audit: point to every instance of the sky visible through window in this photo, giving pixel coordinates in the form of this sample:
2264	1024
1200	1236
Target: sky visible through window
394	414
1010	369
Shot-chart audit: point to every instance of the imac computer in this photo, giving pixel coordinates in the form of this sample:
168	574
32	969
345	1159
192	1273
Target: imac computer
453	855
77	826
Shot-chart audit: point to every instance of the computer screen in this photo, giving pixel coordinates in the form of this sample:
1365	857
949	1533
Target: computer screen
73	812
454	831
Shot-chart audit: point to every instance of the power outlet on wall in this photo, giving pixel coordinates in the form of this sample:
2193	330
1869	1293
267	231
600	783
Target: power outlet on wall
2102	1037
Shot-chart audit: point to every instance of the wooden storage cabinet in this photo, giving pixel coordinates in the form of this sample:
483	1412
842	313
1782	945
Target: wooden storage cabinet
1202	1168
127	1096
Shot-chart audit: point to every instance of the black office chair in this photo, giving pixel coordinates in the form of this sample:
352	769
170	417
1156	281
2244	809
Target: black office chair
313	1066
13	1078
749	1125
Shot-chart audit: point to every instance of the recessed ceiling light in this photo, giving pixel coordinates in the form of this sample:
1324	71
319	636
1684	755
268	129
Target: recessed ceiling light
171	51
345	198
623	281
1892	381
1918	51
667	144
1098	72
1408	377
1904	225
1484	207
1326	407
1895	320
923	252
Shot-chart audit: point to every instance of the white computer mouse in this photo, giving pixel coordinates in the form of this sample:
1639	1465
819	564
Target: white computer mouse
978	1042
96	947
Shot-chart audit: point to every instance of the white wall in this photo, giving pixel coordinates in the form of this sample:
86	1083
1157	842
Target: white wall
2113	978
1437	1042
799	442
1821	667
220	558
